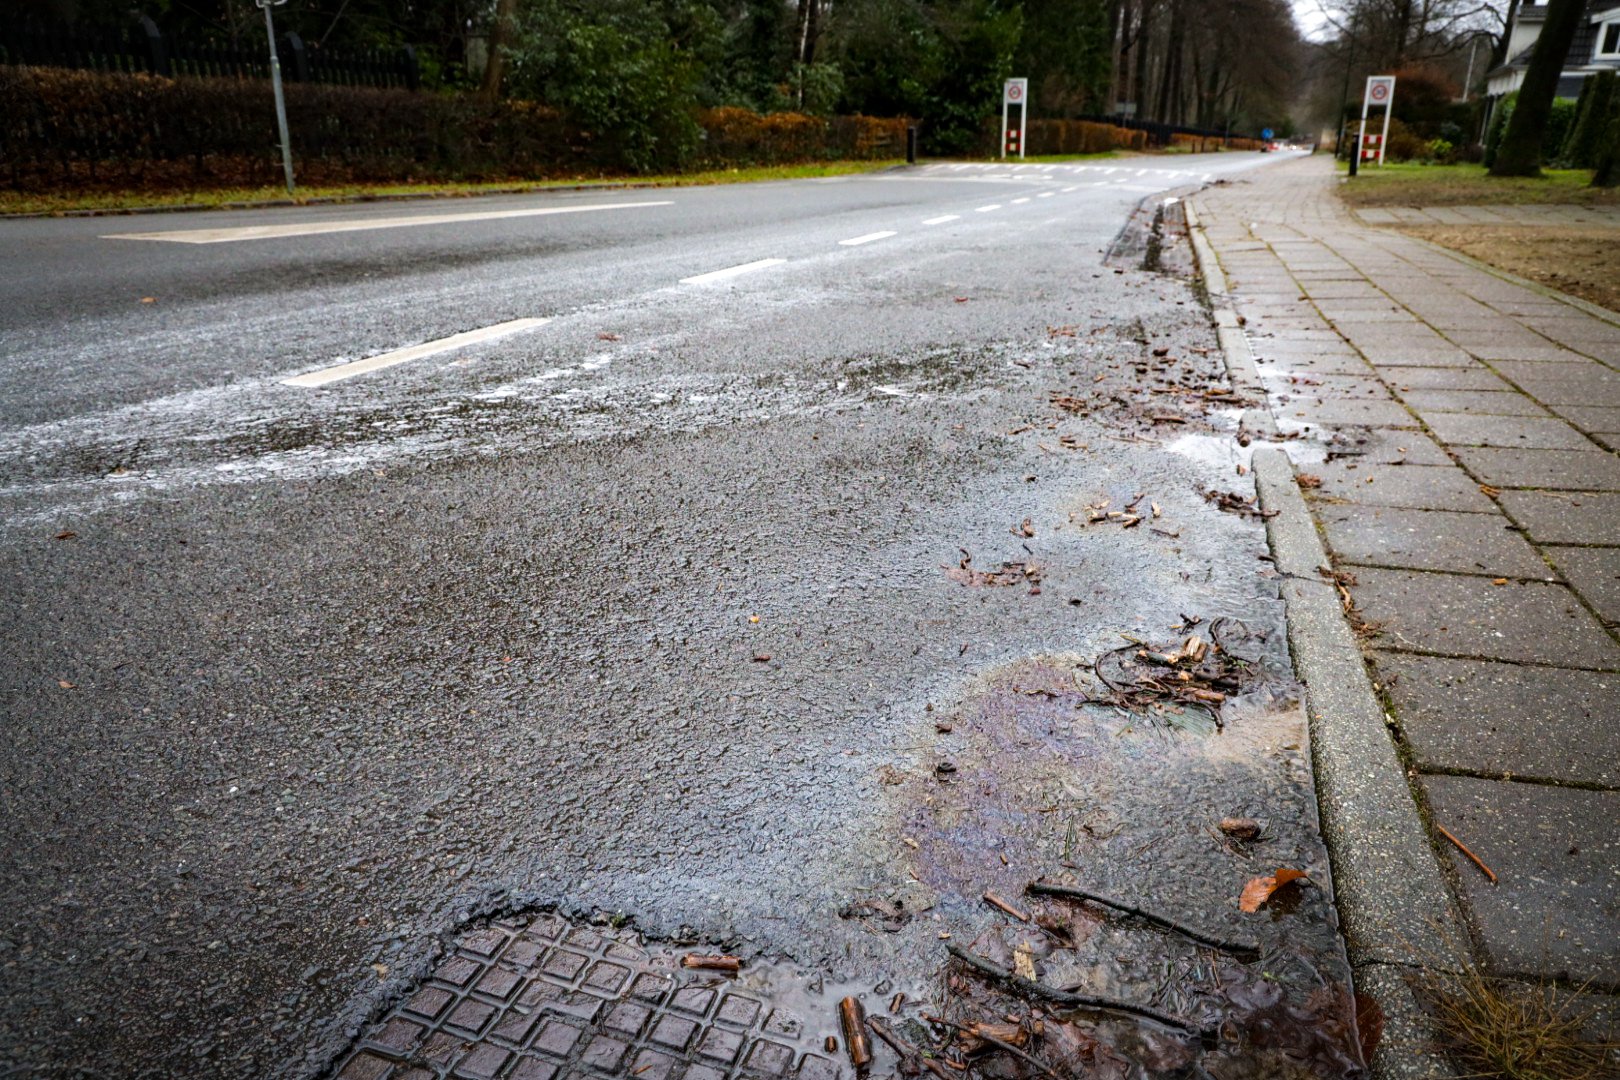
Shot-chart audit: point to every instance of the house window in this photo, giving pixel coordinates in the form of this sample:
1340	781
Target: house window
1608	43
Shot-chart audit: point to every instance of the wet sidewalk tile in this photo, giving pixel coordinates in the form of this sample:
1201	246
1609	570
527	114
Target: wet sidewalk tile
1529	622
1556	854
1506	719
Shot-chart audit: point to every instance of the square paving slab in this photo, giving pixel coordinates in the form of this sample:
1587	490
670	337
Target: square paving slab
1556	854
1373	446
1566	517
1531	622
1429	540
1595	574
1530	433
1406	379
1430	403
1568	470
1422	487
1590	418
1507	720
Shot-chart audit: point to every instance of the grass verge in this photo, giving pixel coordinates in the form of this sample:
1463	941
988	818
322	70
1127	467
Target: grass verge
1468	185
112	201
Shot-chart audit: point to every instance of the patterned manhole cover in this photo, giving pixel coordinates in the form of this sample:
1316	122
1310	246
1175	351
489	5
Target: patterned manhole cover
545	999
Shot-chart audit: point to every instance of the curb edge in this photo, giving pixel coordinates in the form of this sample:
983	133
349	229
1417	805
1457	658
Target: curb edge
1383	864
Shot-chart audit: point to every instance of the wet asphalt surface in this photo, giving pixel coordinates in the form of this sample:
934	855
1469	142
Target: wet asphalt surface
638	612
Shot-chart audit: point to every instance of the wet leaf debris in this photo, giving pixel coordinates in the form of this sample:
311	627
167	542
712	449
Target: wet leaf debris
1198	673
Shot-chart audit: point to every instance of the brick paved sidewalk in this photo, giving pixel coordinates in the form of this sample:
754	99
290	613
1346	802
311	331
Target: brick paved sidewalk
1472	493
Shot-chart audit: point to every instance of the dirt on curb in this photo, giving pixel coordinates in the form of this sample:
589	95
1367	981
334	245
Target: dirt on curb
1581	260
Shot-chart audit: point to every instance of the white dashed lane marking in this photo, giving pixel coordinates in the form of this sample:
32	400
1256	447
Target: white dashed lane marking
414	352
731	271
857	241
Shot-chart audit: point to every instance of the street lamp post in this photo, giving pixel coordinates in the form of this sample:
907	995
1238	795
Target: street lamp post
275	83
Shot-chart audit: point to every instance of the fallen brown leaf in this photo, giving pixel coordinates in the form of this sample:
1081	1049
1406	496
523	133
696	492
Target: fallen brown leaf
66	534
1240	828
1260	889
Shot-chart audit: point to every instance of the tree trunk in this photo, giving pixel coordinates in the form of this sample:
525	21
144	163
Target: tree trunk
1499	49
1144	38
1520	152
500	33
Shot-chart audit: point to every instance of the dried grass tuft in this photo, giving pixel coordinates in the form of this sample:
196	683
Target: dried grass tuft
1506	1030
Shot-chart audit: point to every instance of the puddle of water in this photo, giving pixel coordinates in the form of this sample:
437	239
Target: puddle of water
1046	784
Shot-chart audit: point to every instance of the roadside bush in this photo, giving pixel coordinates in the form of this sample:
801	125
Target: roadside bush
1607	157
1581	147
1499	120
81	129
1559	122
1404	144
1441	151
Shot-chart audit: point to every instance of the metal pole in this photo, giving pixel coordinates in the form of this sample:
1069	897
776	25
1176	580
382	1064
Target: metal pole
1003	123
1344	104
1023	126
281	103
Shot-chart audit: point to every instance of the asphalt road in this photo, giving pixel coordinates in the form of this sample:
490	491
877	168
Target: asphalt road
622	609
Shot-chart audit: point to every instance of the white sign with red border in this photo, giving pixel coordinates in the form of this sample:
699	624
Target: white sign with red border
1380	88
1014	92
1381	95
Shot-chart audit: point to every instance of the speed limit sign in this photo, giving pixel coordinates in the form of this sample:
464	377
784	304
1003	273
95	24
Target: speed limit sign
1014	92
1380	95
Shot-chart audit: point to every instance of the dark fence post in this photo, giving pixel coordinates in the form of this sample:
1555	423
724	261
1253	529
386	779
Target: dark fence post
413	72
155	47
911	144
295	66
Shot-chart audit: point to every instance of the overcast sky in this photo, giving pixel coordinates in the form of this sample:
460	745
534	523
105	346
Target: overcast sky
1308	14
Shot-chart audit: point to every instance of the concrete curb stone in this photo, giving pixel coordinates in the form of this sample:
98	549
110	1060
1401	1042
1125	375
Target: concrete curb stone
1384	868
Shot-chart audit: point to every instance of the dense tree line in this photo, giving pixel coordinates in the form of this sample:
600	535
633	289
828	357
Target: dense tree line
1205	63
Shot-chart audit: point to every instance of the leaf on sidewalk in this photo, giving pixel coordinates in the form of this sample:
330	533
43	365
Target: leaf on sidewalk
1369	1025
1261	889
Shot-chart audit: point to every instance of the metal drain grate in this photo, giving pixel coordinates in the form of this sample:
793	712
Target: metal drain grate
547	1000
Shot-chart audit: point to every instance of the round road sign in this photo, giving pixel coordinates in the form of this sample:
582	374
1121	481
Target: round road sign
1379	93
1015	91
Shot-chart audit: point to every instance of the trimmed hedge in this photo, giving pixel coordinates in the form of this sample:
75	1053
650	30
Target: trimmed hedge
64	129
733	137
1064	137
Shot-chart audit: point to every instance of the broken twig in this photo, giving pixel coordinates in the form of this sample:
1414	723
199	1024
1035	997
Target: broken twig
712	963
907	1052
1244	949
1007	906
852	1018
1462	847
978	1032
1069	997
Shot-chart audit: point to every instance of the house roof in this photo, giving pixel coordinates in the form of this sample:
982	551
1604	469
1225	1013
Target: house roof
1580	48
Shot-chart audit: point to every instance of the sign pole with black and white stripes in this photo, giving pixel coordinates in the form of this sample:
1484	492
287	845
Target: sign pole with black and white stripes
1014	92
1380	92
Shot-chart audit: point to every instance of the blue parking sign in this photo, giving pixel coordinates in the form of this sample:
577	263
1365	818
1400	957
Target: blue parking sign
1267	133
